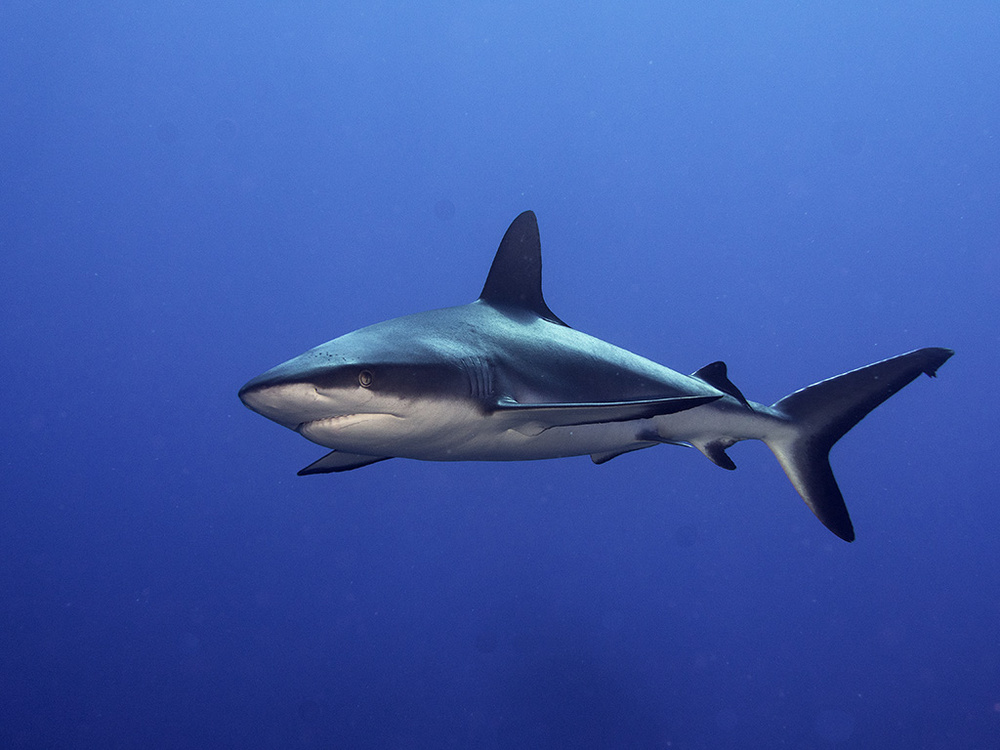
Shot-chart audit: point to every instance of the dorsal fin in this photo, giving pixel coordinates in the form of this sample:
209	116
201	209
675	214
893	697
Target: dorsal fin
716	376
515	279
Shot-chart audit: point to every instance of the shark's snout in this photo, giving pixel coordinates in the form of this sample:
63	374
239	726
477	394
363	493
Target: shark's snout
288	403
248	394
254	394
251	396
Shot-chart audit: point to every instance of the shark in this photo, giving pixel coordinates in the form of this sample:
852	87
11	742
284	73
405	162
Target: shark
504	379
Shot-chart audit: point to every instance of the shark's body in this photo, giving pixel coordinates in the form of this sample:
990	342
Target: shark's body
503	379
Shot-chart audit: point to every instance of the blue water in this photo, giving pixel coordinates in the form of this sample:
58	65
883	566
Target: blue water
191	193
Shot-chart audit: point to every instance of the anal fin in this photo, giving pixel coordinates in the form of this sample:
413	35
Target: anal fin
715	451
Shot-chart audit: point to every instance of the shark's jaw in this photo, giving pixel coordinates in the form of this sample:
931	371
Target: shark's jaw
320	417
354	432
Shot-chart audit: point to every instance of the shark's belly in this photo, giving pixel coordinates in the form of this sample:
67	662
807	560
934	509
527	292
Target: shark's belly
556	442
516	445
480	439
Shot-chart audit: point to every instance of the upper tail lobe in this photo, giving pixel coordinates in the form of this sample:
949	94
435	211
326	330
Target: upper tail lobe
823	412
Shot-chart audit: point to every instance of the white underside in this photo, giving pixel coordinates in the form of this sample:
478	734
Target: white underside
449	432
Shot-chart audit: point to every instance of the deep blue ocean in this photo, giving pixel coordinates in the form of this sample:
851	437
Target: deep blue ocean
191	193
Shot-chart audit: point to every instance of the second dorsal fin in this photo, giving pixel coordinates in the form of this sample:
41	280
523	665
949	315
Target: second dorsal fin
515	279
716	376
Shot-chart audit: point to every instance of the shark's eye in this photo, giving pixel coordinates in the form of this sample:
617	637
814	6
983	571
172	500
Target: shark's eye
365	378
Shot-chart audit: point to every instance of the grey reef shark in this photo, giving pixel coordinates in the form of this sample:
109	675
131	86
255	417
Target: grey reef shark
504	379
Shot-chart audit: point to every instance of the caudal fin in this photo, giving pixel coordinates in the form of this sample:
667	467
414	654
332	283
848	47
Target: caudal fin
823	412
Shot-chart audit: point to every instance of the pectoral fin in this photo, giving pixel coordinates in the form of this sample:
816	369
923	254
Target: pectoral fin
335	461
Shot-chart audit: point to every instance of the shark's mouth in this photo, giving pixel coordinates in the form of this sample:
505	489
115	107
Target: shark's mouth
333	422
324	420
338	422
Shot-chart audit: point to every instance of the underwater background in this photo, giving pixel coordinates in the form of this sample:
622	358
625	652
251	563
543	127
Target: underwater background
191	193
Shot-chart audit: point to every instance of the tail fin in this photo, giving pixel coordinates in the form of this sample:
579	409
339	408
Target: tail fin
823	412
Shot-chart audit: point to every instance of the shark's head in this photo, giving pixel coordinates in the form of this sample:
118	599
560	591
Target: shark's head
360	391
